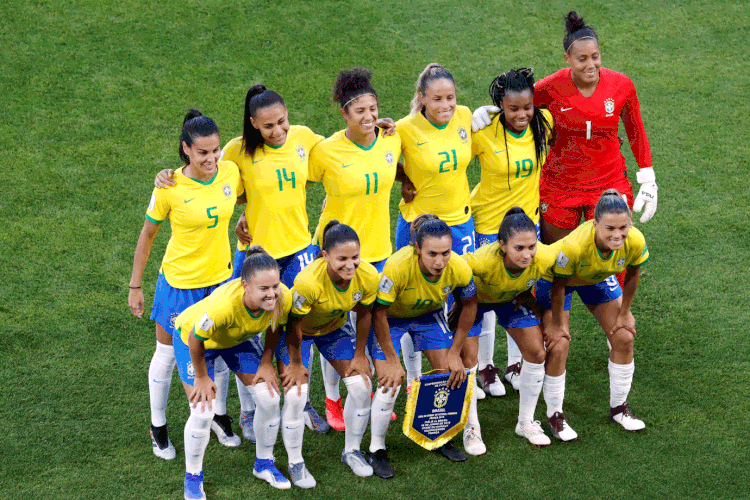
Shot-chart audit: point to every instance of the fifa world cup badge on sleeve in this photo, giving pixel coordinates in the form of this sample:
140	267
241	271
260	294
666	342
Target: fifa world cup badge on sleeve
435	412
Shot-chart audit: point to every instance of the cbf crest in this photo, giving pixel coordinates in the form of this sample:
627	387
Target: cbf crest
620	262
609	106
389	158
441	398
227	189
462	134
446	290
301	152
357	296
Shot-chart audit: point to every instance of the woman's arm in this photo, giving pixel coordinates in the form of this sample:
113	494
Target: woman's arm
295	374
558	327
360	365
266	372
465	321
625	318
142	252
393	375
204	389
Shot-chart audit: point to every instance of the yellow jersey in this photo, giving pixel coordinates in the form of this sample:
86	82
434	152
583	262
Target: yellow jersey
358	183
409	293
274	181
578	257
198	253
509	176
322	305
222	320
495	284
435	160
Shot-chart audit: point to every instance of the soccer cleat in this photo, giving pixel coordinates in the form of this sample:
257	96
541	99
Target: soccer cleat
357	463
489	381
194	487
449	451
512	375
623	416
478	390
301	477
314	422
532	430
266	470
560	428
473	443
222	427
160	443
381	464
335	414
246	424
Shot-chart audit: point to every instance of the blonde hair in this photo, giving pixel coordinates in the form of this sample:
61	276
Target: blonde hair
432	72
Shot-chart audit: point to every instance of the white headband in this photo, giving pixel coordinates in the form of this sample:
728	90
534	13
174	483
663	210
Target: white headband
355	98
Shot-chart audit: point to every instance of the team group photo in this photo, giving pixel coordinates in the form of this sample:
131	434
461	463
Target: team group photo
379	250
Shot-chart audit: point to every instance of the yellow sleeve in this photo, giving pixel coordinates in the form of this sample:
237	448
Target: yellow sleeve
158	207
565	261
389	287
638	254
463	272
316	166
233	151
286	305
214	317
370	285
304	294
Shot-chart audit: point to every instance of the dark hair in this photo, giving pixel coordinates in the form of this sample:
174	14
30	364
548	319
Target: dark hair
336	234
418	221
432	72
515	221
518	80
351	84
193	126
611	202
257	260
576	29
258	97
429	227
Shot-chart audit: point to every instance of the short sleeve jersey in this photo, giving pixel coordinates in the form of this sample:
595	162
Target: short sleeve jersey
495	284
358	183
509	175
409	293
586	154
274	180
198	253
322	305
435	160
222	320
579	258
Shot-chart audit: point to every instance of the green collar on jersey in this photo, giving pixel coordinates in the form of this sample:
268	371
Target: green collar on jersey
439	127
366	148
205	183
517	136
340	289
425	276
514	276
602	256
253	315
274	147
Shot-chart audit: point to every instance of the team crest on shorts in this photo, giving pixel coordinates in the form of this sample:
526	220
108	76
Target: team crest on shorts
301	152
441	398
190	370
462	133
357	296
389	157
609	106
227	189
621	262
172	318
446	290
544	207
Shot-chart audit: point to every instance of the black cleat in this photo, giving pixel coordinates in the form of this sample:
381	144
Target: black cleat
449	451
381	465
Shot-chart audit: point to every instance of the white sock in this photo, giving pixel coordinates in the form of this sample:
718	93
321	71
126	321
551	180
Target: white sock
159	380
356	412
514	353
380	417
246	396
554	393
197	430
310	369
487	340
293	423
473	420
531	381
620	380
221	379
266	422
412	359
330	379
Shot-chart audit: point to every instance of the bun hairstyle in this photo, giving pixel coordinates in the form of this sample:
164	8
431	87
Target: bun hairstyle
515	221
195	125
576	29
428	226
258	97
336	234
611	202
352	84
519	80
257	260
431	73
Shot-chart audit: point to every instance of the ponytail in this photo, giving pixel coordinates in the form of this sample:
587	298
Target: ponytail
257	260
258	97
515	221
611	202
193	126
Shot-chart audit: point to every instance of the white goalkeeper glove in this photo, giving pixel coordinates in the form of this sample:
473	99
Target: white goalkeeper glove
646	199
482	117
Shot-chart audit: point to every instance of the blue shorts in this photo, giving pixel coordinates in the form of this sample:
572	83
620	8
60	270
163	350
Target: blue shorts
463	235
428	332
289	266
488	239
591	295
242	358
169	302
507	317
379	265
339	344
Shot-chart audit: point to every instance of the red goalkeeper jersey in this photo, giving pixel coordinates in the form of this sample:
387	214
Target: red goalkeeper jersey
586	154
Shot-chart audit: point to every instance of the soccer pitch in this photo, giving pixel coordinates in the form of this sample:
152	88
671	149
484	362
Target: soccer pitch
93	98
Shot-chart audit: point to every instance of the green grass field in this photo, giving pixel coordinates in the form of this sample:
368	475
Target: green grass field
93	95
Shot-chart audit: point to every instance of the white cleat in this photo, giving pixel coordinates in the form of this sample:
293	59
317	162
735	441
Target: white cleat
623	416
160	443
357	463
560	428
266	470
478	390
512	375
301	477
473	444
222	427
489	381
532	430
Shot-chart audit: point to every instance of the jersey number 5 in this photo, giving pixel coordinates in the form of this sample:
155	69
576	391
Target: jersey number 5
213	217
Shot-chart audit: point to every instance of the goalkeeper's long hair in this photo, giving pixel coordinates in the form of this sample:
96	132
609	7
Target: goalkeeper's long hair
518	80
258	260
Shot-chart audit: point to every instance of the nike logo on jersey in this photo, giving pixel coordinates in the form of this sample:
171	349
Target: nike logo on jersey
257	161
412	288
498	152
344	166
566	109
422	143
188	201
